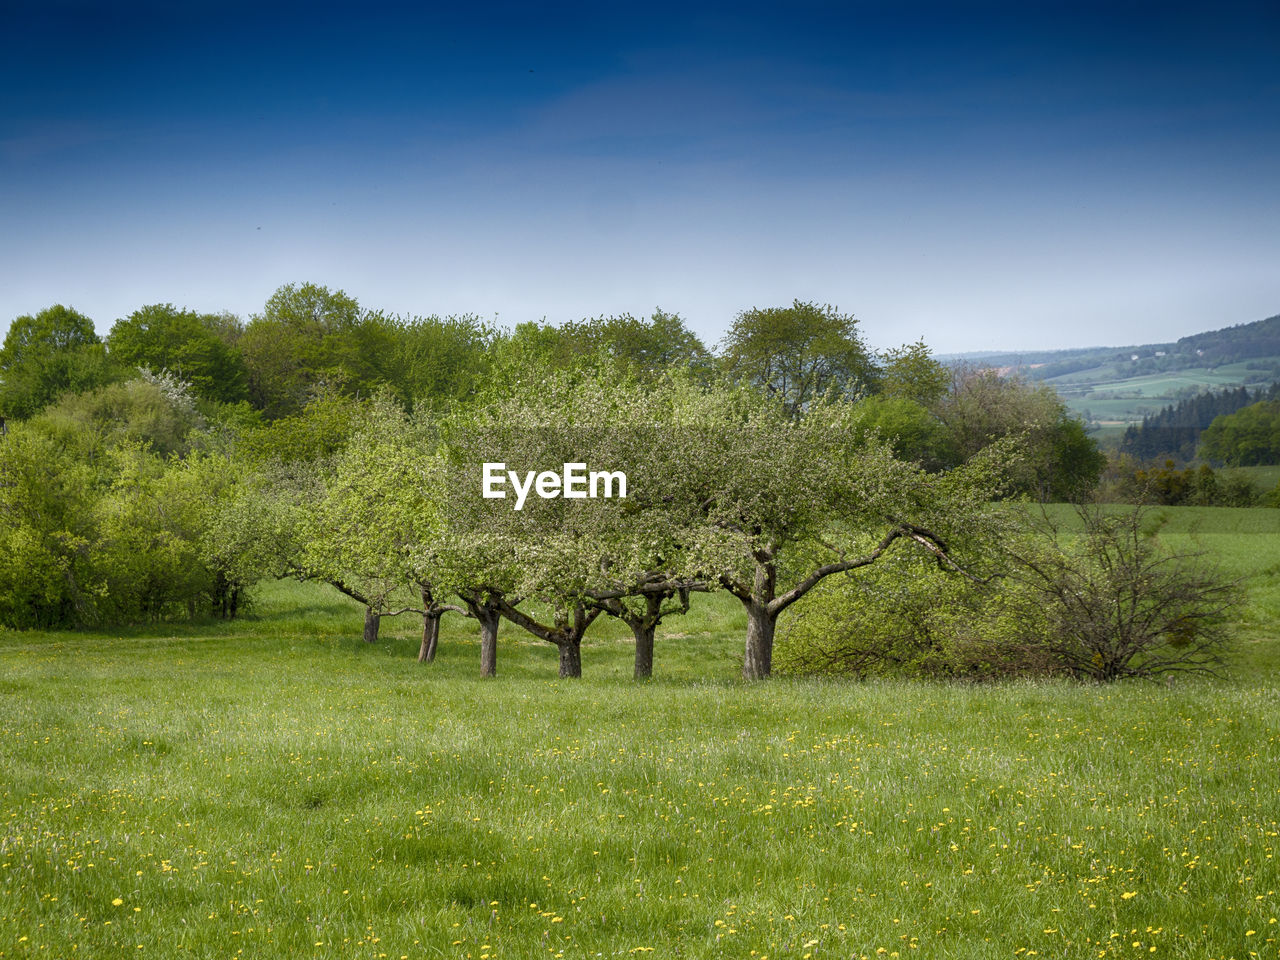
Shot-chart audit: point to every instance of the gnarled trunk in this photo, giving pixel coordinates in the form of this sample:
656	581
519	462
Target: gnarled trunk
430	636
571	658
372	619
758	660
430	625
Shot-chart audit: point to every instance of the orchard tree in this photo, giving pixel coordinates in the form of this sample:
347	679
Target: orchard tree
584	555
786	502
798	353
376	506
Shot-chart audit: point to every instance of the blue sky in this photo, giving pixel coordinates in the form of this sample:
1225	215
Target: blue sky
982	175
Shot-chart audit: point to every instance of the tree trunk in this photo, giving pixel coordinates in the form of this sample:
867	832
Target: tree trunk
430	634
489	642
643	632
758	661
430	625
372	619
571	658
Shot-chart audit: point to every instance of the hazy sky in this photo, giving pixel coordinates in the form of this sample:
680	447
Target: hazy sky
983	175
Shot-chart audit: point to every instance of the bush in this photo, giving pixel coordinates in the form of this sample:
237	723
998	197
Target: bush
1104	602
1112	601
911	618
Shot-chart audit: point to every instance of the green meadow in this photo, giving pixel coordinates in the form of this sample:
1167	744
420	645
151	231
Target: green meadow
274	787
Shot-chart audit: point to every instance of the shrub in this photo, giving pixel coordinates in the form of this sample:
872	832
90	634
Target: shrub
1112	601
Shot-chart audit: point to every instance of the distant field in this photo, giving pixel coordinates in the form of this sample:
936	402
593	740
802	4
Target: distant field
274	787
1089	390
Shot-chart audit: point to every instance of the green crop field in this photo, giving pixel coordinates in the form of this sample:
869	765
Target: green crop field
274	787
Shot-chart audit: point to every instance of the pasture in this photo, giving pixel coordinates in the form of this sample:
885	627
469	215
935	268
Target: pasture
274	787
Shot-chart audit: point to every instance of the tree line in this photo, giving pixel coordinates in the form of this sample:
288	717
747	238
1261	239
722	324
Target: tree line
164	471
1177	430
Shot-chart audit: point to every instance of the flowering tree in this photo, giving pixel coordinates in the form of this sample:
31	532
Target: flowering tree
784	501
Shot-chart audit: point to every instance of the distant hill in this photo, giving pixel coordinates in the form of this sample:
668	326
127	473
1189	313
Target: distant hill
1245	341
1118	385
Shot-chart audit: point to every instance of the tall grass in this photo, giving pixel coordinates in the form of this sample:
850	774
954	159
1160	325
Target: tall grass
274	787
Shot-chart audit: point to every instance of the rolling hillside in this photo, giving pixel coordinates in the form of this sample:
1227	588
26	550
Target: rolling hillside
1112	386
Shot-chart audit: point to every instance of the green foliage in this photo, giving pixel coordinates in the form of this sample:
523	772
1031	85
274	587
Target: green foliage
155	410
99	529
912	430
1059	460
47	355
375	509
48	490
907	617
1200	486
910	372
319	430
197	348
308	338
1249	437
437	361
798	353
1112	602
627	346
1175	431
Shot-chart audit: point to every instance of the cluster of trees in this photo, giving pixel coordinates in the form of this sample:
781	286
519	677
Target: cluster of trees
1167	485
1249	437
1175	432
326	442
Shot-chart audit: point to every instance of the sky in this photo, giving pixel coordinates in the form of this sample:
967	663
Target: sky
983	175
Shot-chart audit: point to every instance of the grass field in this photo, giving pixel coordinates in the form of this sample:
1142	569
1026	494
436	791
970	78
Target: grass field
274	787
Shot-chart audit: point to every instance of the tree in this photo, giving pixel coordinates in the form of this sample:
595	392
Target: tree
909	372
102	531
784	503
627	346
46	355
438	361
579	557
1111	601
156	410
308	338
47	529
193	346
1059	460
373	510
1246	438
798	353
913	431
